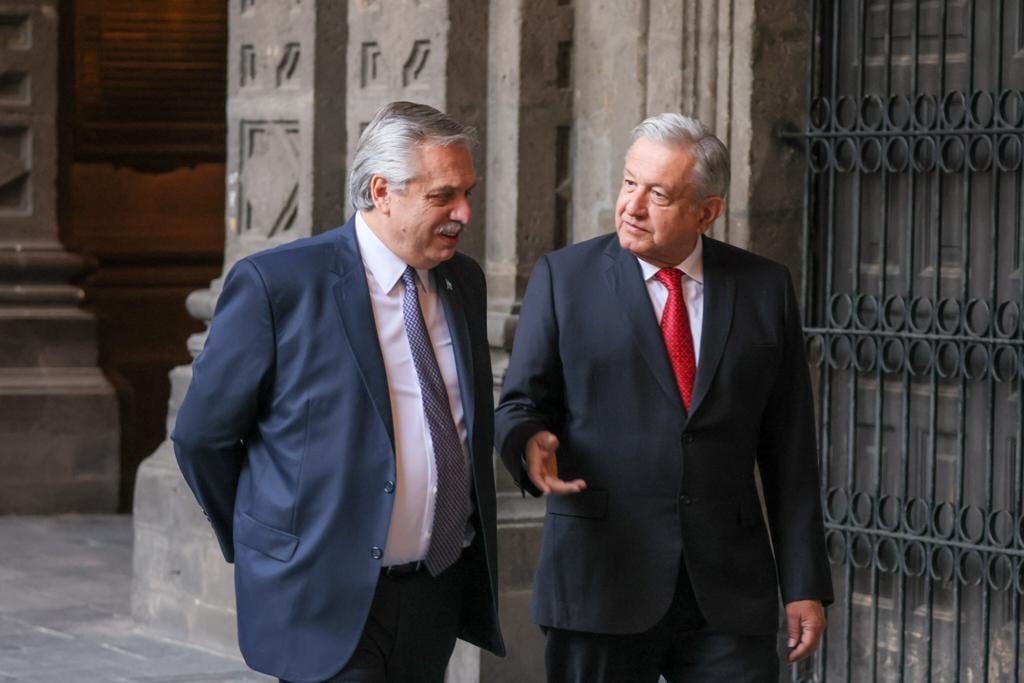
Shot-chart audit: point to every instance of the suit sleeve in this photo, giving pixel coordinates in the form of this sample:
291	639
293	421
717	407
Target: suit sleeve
223	400
788	462
532	397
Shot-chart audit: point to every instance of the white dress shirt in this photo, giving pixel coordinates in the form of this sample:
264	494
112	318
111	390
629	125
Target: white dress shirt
693	290
412	513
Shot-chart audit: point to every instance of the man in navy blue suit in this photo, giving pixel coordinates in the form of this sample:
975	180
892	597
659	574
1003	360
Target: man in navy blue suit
652	370
337	432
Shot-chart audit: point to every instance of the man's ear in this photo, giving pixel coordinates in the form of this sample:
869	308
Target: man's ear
710	210
380	194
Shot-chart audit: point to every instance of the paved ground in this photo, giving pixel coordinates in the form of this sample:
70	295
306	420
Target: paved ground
65	614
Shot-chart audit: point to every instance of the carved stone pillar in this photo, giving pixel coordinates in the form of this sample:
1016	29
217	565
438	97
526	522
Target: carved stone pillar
285	179
529	134
610	98
58	414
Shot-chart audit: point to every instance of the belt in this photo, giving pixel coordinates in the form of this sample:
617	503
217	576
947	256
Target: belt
407	569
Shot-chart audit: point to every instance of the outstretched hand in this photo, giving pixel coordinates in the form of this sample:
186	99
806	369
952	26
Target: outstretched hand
805	623
542	466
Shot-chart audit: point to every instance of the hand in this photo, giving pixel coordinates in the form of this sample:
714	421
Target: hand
542	466
805	622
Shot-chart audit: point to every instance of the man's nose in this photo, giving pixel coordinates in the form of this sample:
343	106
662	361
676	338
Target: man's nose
636	204
461	211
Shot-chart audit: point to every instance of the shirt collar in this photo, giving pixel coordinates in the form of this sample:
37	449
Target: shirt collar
692	266
383	264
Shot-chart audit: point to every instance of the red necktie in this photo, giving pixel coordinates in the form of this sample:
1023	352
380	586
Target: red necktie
675	327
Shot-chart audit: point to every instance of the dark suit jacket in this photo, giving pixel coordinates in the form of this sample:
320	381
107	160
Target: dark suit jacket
286	439
590	365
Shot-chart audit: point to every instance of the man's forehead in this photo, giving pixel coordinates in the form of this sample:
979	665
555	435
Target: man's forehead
658	163
450	164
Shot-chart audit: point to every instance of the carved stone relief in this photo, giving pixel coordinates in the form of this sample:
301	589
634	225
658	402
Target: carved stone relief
412	70
15	88
247	66
287	65
371	65
270	152
15	36
15	32
15	188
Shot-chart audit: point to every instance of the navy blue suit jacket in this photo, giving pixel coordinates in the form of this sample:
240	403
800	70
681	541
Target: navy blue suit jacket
286	439
589	364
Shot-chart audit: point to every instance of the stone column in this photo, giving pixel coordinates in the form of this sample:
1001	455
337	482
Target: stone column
740	67
529	134
285	179
610	98
58	414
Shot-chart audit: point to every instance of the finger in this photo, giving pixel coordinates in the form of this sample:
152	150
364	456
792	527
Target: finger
561	488
537	475
809	639
793	629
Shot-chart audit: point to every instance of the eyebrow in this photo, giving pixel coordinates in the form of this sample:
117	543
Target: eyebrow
664	189
446	189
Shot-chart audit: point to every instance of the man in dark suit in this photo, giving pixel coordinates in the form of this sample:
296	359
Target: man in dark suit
652	370
337	432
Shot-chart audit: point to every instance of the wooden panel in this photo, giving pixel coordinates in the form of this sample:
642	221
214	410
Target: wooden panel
150	81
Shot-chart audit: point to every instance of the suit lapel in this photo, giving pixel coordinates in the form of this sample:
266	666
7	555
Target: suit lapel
627	283
458	328
719	296
352	295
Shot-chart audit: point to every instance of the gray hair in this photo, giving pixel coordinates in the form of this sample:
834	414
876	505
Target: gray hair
387	145
711	158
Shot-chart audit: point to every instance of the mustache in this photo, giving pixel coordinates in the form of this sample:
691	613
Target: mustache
451	229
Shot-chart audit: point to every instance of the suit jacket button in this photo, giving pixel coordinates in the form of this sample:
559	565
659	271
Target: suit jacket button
376	553
685	500
389	487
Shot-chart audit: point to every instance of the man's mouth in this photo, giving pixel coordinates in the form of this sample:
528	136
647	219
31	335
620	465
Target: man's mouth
449	229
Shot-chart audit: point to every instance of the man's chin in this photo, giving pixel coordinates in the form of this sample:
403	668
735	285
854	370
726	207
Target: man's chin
629	242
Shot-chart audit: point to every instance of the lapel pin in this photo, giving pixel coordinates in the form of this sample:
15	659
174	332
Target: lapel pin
448	284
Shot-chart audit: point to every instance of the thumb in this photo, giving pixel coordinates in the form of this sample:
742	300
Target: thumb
793	629
547	441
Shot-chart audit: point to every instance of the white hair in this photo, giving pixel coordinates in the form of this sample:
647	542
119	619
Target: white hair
711	158
387	145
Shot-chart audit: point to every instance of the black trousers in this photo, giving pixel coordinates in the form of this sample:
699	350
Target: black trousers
680	647
411	630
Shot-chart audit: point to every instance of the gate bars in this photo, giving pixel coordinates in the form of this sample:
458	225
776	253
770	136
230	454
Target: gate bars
913	295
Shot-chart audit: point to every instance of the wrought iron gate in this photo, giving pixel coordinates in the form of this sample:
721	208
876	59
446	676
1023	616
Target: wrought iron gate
913	296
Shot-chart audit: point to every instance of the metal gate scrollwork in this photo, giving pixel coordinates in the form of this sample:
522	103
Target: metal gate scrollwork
913	291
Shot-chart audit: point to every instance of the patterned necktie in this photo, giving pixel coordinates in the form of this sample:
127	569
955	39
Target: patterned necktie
451	503
675	328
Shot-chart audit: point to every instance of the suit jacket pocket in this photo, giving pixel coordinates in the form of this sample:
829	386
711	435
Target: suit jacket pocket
254	534
590	503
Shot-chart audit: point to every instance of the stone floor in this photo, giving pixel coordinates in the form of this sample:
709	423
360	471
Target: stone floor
65	613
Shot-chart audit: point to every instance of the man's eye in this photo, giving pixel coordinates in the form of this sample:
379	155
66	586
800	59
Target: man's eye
629	183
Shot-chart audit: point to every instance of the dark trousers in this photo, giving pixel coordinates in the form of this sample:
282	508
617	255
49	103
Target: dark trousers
410	632
679	647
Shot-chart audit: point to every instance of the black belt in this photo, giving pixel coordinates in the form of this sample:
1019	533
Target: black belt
407	569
